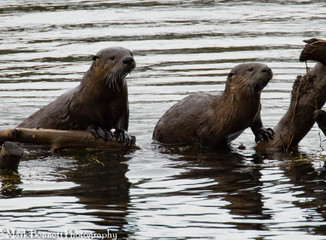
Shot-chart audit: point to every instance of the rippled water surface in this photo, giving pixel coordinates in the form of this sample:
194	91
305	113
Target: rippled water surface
154	193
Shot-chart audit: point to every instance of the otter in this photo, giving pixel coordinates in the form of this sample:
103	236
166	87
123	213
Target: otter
313	51
212	120
98	104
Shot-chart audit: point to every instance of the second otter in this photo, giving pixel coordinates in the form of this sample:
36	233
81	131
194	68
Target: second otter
211	120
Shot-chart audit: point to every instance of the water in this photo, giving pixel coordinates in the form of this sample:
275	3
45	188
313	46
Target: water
155	193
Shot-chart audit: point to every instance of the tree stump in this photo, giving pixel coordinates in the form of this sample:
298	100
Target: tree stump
10	156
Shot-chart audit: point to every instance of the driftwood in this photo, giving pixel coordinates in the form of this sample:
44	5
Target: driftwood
308	95
59	139
10	156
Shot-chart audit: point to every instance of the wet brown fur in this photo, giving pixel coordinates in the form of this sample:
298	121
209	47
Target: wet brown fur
210	120
101	99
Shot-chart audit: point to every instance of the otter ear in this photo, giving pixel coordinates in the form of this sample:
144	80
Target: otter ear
94	58
229	78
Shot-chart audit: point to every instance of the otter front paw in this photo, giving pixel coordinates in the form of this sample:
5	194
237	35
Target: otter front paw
264	134
99	132
124	137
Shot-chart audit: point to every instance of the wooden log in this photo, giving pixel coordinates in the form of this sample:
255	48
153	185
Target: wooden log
10	156
308	94
59	139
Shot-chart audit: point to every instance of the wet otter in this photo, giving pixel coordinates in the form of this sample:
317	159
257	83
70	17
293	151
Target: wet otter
212	120
314	50
98	104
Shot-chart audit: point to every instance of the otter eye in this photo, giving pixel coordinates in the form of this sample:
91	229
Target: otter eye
131	54
112	58
95	57
231	75
250	69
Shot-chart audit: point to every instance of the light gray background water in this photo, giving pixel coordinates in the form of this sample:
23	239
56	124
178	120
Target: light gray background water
180	47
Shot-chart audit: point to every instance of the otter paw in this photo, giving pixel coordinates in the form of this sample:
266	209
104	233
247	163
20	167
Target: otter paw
264	134
124	137
99	132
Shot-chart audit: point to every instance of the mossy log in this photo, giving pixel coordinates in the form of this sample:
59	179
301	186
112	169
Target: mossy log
59	139
308	95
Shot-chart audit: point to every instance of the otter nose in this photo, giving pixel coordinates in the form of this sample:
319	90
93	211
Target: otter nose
266	69
128	60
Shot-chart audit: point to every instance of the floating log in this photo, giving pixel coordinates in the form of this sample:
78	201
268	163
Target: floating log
59	139
10	156
308	95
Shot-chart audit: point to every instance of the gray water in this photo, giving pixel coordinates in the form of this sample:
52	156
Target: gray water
154	193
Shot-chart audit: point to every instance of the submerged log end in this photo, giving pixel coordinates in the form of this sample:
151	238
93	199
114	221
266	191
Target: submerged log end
10	156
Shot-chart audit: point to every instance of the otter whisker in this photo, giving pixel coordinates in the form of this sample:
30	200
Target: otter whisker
111	80
116	79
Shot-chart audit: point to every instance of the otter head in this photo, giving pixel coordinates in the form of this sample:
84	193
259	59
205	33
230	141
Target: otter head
111	66
248	79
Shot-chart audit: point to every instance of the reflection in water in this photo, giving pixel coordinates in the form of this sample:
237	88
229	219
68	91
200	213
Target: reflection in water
238	183
104	189
252	189
10	185
180	47
101	191
308	179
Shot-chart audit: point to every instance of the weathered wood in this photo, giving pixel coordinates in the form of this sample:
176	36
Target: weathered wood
10	156
59	139
308	94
